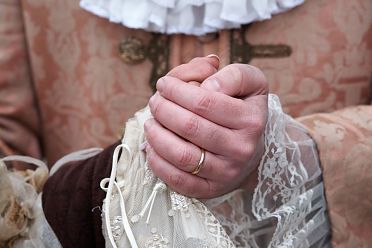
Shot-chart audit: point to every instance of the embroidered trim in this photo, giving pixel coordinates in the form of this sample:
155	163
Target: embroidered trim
242	51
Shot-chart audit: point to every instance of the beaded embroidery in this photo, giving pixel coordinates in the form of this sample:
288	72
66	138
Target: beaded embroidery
116	227
156	240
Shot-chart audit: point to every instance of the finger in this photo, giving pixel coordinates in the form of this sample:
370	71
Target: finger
182	153
197	69
213	59
256	118
238	80
218	108
194	83
197	130
180	181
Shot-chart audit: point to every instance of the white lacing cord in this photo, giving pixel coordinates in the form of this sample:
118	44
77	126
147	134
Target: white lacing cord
25	159
74	156
107	201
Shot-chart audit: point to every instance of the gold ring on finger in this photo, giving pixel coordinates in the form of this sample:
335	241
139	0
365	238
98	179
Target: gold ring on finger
200	164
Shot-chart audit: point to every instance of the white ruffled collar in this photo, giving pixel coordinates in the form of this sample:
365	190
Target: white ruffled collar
196	17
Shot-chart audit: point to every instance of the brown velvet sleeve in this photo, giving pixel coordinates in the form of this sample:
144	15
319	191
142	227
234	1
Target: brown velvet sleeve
71	198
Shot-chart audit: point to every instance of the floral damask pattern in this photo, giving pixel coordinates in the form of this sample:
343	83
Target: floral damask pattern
347	171
19	124
85	92
62	81
331	63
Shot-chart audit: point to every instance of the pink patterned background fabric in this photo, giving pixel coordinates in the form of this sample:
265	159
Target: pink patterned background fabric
344	140
68	60
64	87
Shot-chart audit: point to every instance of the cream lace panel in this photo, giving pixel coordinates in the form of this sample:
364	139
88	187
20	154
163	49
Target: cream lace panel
140	211
287	208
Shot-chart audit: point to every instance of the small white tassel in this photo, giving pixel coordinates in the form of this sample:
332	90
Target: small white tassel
159	187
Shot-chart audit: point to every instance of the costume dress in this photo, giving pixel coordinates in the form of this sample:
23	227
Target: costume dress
66	86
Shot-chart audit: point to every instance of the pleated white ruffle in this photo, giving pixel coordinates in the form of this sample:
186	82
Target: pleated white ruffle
196	17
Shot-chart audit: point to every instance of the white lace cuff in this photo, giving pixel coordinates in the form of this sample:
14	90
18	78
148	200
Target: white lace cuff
194	17
290	186
287	207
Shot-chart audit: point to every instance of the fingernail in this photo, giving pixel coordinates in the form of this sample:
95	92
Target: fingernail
148	149
213	56
211	84
160	84
142	146
147	125
151	100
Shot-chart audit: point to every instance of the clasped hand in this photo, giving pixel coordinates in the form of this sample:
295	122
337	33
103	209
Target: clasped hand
197	107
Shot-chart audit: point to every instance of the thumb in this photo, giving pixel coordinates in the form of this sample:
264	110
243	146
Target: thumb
237	80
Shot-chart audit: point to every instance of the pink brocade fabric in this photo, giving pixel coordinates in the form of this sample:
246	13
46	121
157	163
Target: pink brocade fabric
84	91
19	123
331	63
344	140
64	87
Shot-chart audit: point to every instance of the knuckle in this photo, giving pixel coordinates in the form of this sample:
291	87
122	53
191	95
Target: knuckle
191	127
237	110
215	136
205	104
233	173
258	124
255	124
243	152
259	76
235	72
180	184
214	190
176	180
205	69
185	157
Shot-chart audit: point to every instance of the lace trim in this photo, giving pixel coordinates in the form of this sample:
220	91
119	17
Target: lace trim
289	180
287	208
